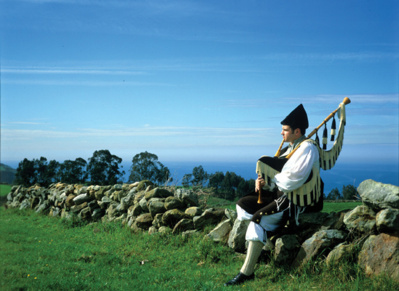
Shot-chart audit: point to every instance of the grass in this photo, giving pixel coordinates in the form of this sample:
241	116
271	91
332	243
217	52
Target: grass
327	207
339	206
4	189
43	253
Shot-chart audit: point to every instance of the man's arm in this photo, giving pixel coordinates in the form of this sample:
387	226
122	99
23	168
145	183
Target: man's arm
297	169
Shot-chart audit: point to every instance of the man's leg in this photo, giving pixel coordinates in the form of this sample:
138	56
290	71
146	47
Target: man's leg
253	253
256	237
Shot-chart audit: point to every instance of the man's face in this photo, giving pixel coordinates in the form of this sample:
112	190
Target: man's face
288	134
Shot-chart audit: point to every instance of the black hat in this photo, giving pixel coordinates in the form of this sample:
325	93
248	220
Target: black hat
297	118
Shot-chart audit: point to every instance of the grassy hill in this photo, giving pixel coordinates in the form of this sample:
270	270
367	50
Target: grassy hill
7	174
44	253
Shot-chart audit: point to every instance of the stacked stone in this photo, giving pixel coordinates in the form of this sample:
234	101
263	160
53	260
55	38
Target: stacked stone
368	234
141	206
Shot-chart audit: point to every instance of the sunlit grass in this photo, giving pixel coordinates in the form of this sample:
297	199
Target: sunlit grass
43	253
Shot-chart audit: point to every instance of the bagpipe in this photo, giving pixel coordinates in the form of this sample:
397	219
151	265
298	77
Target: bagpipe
310	192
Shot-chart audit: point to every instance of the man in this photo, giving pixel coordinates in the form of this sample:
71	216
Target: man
277	206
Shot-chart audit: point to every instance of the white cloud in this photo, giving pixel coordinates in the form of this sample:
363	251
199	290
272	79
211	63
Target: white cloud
329	57
355	98
80	71
95	83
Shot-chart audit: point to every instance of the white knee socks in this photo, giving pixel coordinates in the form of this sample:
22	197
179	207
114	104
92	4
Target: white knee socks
253	253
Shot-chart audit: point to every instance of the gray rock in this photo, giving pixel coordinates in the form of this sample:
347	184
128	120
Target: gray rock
157	221
25	204
221	232
152	230
117	195
318	243
55	211
380	255
99	192
105	202
361	219
142	185
85	214
188	197
157	193
183	225
209	217
286	248
340	254
172	202
189	233
165	230
98	213
112	212
193	211
69	200
173	216
143	203
68	215
387	220
77	208
144	221
156	205
237	235
82	198
138	196
127	201
43	208
230	214
378	195
135	210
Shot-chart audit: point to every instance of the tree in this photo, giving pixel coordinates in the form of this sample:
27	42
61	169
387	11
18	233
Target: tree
186	180
37	171
349	192
145	166
73	172
53	172
103	168
215	181
25	174
41	174
334	195
245	187
230	184
199	176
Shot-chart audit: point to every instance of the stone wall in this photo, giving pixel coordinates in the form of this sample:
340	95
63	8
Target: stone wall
368	234
141	206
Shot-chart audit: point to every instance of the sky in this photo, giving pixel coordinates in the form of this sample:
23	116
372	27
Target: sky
194	80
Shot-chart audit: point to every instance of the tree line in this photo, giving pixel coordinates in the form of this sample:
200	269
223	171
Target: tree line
104	168
349	192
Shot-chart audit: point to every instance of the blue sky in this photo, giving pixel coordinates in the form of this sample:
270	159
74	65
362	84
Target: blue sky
194	80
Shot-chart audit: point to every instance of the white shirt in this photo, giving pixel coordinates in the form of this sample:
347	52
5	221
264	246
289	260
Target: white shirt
297	169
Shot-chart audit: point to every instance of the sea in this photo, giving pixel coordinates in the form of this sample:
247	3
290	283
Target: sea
342	174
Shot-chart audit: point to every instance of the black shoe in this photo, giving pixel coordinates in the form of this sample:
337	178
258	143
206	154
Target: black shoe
239	279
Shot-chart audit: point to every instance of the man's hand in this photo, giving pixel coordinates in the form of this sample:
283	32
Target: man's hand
259	183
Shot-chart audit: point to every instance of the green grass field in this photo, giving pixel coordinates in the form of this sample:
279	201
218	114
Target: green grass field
43	253
328	206
4	189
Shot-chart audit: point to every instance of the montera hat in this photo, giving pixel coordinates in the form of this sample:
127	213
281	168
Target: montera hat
297	118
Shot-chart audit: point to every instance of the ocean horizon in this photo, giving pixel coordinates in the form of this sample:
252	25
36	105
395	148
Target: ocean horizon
342	174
